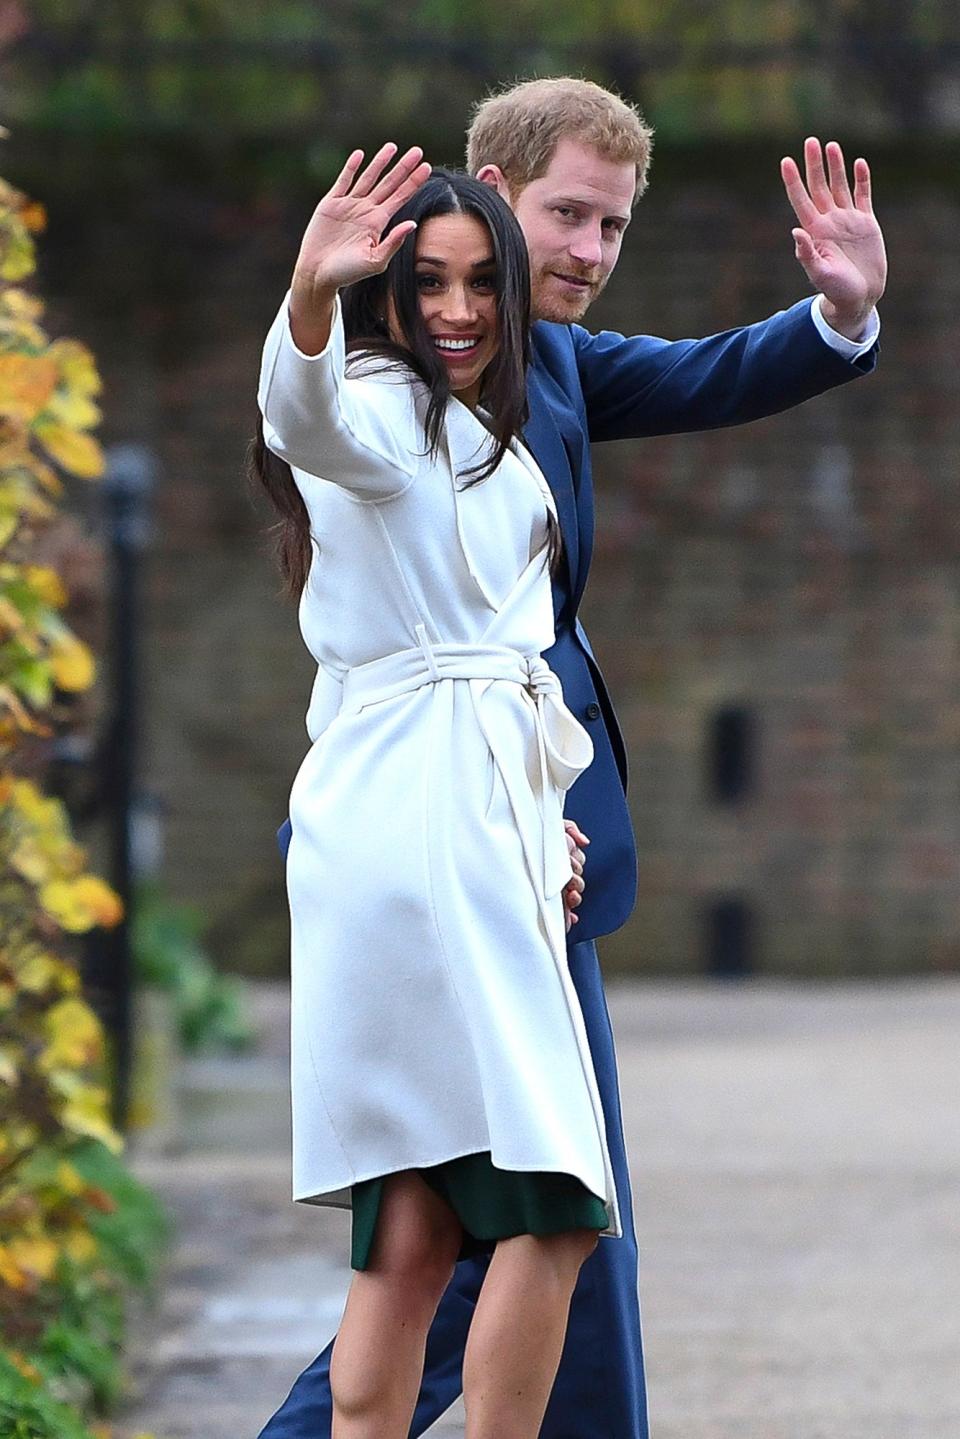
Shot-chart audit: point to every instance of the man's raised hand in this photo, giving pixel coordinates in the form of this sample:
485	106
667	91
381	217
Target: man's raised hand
342	243
838	241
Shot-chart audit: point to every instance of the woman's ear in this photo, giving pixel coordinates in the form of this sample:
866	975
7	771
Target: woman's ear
493	175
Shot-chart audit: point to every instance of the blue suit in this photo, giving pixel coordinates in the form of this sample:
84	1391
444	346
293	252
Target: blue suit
584	388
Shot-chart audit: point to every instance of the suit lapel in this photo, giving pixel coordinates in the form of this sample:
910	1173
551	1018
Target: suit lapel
550	452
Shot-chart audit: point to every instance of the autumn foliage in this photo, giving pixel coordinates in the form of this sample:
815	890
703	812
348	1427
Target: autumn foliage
61	1271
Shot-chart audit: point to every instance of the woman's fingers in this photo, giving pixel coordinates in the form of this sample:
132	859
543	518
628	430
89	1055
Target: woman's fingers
368	179
382	254
409	187
345	179
395	178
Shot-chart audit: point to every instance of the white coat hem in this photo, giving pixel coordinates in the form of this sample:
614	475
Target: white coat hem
341	1198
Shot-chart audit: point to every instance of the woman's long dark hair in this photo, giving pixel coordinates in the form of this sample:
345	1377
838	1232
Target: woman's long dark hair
504	381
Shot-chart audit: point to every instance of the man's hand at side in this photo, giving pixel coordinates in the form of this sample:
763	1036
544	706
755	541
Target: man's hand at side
573	890
838	242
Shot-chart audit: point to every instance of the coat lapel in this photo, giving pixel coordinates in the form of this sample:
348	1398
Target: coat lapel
550	452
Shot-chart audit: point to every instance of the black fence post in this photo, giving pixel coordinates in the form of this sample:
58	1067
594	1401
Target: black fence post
126	488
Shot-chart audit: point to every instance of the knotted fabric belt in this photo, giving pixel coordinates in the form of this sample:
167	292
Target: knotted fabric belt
564	749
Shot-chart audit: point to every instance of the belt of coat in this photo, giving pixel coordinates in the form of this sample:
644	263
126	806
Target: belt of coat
564	749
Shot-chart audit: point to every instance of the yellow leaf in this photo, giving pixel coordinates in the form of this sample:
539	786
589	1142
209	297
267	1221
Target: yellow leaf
46	584
74	1036
10	617
74	409
81	1246
36	1256
29	860
16	333
18	255
77	366
36	807
26	384
41	972
42	474
78	453
8	1067
21	304
69	1179
10	1272
86	1114
10	701
72	664
79	904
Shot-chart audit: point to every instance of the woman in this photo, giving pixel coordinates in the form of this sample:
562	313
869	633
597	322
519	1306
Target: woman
442	1082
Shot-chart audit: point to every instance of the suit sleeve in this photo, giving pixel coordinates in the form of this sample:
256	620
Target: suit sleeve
360	433
640	385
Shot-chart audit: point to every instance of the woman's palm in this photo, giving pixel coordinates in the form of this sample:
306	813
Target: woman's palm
342	243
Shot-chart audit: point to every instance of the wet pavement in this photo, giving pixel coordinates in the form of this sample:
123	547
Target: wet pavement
795	1153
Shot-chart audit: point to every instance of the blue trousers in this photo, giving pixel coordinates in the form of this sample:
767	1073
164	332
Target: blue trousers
599	1391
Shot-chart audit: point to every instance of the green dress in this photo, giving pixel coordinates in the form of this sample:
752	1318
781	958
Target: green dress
490	1203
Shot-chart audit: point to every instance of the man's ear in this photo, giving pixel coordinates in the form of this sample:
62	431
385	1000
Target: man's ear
493	175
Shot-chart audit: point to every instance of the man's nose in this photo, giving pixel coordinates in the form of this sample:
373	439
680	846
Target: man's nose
587	247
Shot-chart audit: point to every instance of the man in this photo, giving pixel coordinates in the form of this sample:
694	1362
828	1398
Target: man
571	159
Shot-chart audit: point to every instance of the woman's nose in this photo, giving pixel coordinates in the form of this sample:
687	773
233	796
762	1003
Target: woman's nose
460	307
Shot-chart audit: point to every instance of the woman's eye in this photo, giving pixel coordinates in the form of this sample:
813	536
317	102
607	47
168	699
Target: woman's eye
484	282
426	282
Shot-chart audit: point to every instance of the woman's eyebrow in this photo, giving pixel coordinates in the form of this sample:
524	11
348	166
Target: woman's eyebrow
442	264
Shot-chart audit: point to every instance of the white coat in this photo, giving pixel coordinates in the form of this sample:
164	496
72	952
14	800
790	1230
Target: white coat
433	1014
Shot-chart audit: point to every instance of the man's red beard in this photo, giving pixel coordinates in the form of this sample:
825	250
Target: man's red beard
554	301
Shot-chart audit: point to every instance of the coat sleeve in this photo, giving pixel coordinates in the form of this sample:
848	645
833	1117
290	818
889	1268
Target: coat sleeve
358	432
637	386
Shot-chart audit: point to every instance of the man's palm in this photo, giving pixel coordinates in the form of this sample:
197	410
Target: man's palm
839	242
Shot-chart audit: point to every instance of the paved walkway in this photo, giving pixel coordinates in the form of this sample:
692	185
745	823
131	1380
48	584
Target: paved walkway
796	1163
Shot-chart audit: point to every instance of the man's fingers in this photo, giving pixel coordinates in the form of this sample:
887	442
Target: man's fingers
369	177
345	179
572	828
861	186
817	186
804	247
397	175
837	168
803	207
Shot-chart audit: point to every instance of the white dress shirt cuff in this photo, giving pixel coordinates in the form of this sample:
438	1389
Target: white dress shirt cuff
849	349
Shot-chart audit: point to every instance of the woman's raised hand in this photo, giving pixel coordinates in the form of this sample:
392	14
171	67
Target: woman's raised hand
342	242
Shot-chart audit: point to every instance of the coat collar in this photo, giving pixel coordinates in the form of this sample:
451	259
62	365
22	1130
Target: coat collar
468	443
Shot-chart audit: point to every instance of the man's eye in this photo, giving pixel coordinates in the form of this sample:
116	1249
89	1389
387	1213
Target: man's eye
613	227
566	211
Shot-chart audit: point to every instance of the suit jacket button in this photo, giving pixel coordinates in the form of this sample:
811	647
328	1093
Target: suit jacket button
593	711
